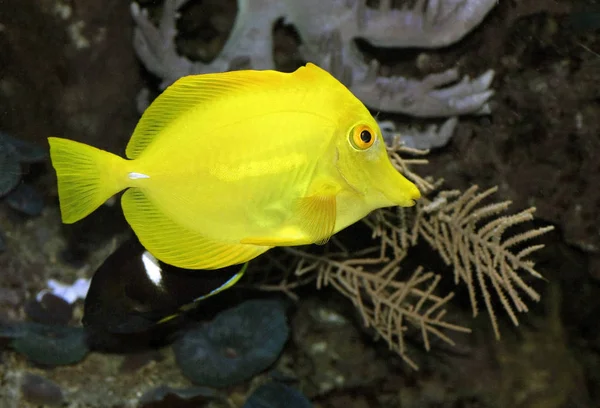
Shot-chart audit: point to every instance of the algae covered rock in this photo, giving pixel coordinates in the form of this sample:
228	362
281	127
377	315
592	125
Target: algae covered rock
15	153
47	345
238	344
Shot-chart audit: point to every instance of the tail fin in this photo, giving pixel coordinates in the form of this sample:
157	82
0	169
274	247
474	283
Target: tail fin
87	177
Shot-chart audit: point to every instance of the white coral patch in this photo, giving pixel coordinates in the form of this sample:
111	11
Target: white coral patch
69	293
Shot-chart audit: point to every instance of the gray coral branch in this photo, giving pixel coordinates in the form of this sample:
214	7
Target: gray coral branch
248	46
428	97
428	23
432	137
155	46
424	98
328	30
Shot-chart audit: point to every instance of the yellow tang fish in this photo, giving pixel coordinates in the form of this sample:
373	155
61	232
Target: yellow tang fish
222	167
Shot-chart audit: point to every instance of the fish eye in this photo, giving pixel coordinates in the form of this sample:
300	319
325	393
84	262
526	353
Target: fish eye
362	137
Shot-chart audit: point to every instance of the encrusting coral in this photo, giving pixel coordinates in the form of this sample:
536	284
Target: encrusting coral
476	238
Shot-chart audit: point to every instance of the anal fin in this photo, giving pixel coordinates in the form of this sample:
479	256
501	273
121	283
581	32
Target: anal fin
176	245
189	306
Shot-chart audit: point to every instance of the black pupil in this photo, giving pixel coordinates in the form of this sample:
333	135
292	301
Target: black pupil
365	136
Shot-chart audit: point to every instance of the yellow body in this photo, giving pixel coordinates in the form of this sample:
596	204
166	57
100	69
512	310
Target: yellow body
225	166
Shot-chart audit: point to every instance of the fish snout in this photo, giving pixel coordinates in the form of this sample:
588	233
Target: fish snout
402	192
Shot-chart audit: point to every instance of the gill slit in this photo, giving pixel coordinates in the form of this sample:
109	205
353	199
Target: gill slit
350	186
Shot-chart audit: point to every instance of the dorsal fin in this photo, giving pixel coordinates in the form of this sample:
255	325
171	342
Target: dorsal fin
191	91
188	93
312	72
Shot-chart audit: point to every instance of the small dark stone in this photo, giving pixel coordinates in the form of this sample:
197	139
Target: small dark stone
51	309
75	257
41	391
10	169
26	199
277	395
2	242
582	21
26	152
9	297
133	362
165	396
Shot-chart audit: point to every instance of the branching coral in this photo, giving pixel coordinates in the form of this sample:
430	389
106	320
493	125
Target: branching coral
328	30
386	300
420	23
471	237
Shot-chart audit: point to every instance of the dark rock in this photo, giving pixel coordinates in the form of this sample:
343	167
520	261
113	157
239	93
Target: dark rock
50	309
10	168
41	391
26	199
165	397
277	395
84	89
133	362
24	151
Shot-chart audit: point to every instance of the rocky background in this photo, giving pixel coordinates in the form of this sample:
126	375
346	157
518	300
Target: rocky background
68	68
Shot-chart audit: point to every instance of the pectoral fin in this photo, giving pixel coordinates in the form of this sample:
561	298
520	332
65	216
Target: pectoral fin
316	216
313	222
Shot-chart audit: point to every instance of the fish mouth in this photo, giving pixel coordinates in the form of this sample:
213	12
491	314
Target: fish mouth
408	202
411	203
